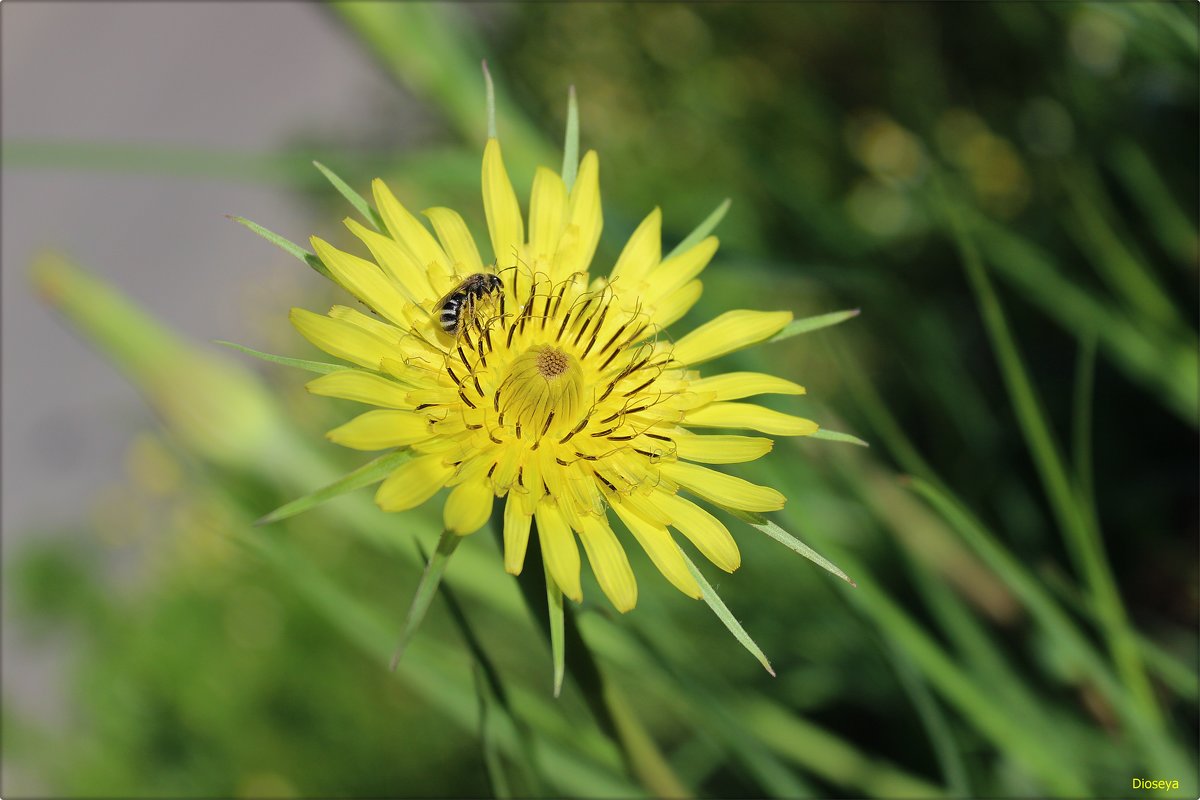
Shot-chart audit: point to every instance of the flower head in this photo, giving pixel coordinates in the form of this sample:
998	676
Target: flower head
530	380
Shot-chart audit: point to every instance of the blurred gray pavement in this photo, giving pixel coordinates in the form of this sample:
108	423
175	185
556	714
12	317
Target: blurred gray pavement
243	77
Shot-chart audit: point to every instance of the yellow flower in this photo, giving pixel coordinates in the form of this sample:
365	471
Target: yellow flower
553	390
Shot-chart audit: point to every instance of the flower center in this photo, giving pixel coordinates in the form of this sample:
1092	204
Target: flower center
543	389
551	362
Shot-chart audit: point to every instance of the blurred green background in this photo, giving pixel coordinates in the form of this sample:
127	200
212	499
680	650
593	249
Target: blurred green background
1007	191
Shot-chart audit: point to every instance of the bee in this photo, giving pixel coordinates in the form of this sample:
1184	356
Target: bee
459	305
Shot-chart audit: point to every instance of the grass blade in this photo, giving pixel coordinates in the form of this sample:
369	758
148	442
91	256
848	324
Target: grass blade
703	229
1085	380
284	244
810	324
1170	370
727	619
1177	675
369	473
975	701
1081	538
1159	752
946	746
300	363
826	755
354	198
571	141
1175	230
791	542
491	755
1125	272
834	436
493	700
426	589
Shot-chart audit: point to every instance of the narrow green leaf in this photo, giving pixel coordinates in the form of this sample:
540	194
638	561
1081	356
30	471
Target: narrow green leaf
571	144
810	324
554	605
1081	538
1176	231
703	229
1085	380
354	198
783	537
369	473
285	245
496	696
1115	261
1170	368
300	363
946	746
426	589
491	101
491	755
651	767
723	613
1157	748
1178	675
834	436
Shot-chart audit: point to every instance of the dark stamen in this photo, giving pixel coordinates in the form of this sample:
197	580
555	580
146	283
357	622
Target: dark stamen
578	428
632	392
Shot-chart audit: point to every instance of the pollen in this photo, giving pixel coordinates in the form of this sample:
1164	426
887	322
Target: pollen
551	362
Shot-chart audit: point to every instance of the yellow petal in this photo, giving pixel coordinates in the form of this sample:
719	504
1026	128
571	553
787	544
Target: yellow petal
377	327
675	305
456	240
609	563
362	387
559	550
379	430
341	338
468	506
529	487
733	385
722	489
508	460
500	206
720	449
731	331
676	271
702	529
642	252
657	542
584	220
365	281
408	231
396	262
516	535
547	209
748	415
413	483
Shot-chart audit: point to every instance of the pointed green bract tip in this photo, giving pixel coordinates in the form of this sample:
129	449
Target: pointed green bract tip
491	100
571	143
